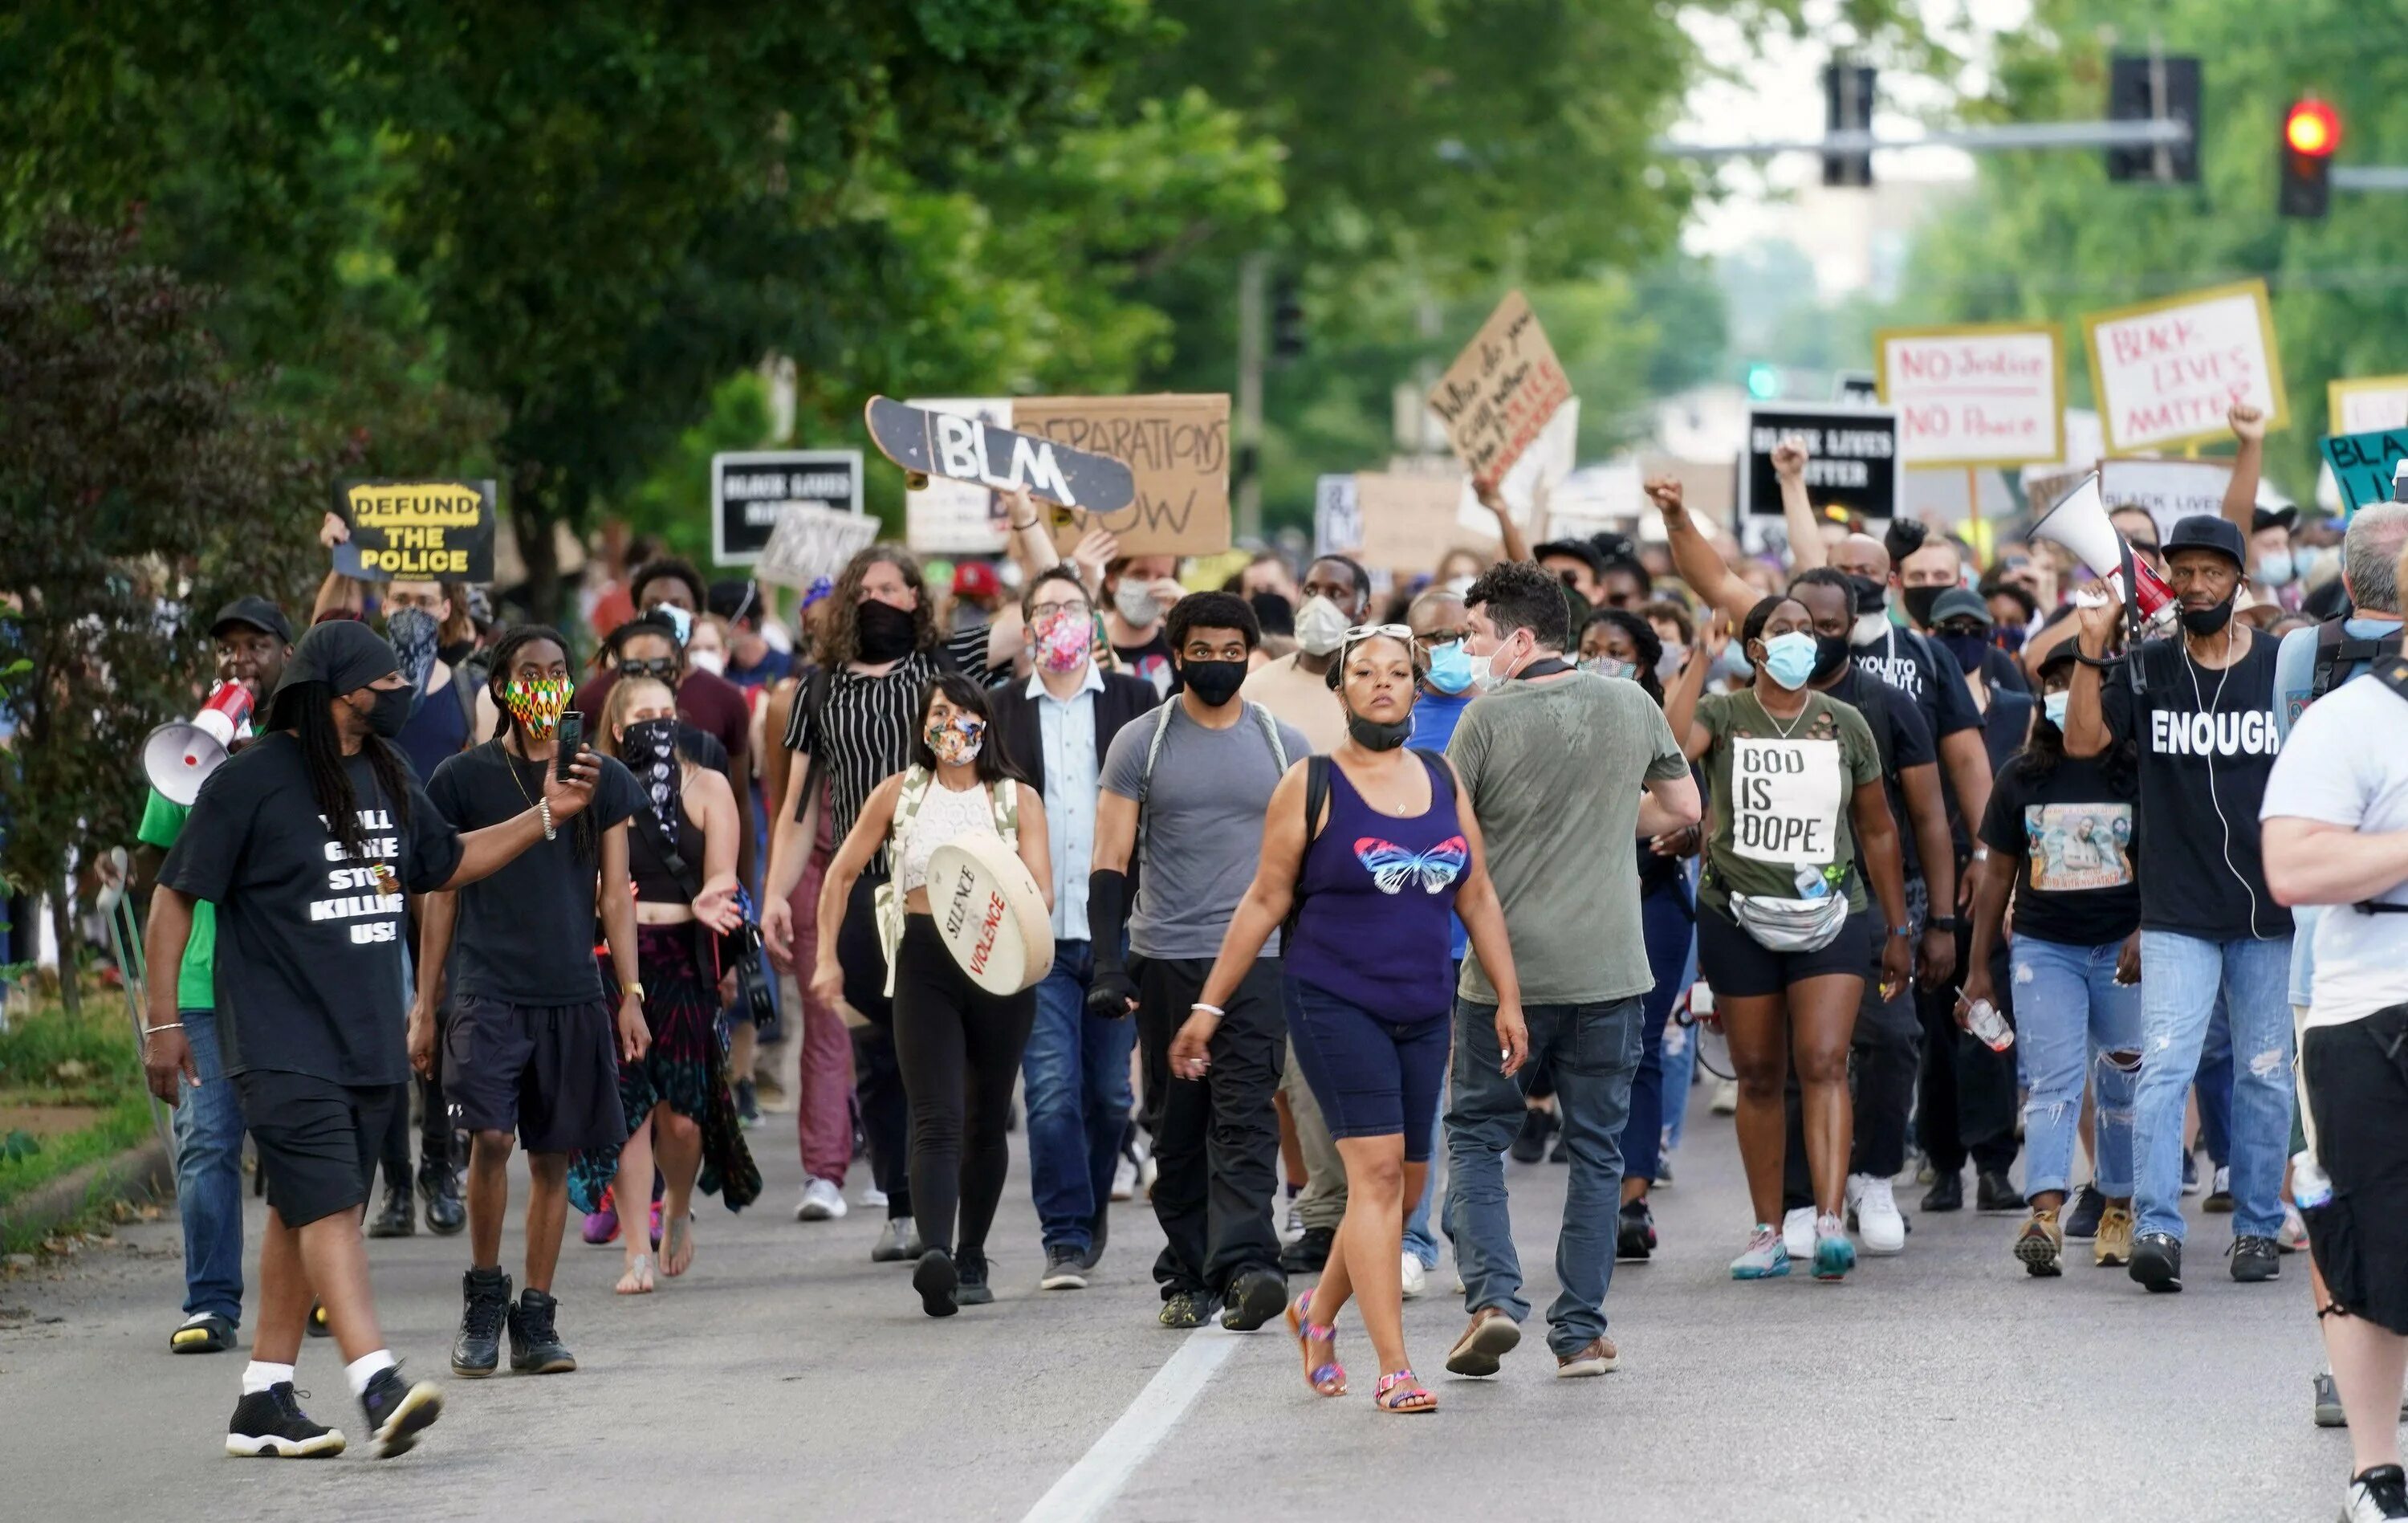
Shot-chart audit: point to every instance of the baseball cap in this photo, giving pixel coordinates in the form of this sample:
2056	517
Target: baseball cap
1961	603
255	611
1578	550
976	579
2262	519
2206	531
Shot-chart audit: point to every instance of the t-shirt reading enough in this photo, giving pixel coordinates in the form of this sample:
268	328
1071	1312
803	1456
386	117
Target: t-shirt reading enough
525	933
1782	798
308	965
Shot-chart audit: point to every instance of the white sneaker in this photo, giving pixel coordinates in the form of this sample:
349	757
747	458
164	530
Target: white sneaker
1416	1279
1872	1212
2293	1235
872	1198
2375	1495
822	1201
1798	1232
1726	1099
1124	1179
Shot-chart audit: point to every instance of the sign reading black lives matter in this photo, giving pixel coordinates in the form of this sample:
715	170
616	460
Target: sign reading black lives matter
416	530
751	488
1851	458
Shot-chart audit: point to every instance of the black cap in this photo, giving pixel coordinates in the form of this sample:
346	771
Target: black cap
1961	603
343	654
1578	550
255	611
2206	531
2262	519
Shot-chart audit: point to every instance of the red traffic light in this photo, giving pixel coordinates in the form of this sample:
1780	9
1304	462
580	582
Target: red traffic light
2312	129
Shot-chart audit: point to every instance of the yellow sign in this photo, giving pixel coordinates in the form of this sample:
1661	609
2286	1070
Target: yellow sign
416	530
2367	405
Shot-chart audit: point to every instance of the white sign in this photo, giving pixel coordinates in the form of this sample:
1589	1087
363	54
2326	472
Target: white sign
1986	396
810	543
2167	372
2170	490
1785	800
1534	477
1336	516
958	518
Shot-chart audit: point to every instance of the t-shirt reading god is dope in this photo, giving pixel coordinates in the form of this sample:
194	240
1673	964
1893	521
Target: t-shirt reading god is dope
309	942
1781	794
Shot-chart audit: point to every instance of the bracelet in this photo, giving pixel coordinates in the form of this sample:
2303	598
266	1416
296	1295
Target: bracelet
171	1025
1026	527
543	812
1209	1010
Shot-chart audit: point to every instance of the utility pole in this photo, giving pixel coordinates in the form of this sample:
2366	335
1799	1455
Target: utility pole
1253	278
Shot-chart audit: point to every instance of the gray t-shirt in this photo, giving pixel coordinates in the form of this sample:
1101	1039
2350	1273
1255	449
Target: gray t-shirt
1201	830
1554	771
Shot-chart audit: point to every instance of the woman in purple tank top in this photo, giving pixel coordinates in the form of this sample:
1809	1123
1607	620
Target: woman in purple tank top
1390	849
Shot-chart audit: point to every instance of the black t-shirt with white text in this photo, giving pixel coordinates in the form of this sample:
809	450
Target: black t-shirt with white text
2208	742
1901	738
2075	832
309	956
1925	671
524	935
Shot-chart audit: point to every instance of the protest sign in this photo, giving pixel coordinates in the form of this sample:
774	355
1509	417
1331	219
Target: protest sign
1178	448
1409	519
2166	372
2170	490
1851	459
750	488
1500	391
811	541
958	518
1983	394
1785	802
2367	404
2362	465
1336	516
416	530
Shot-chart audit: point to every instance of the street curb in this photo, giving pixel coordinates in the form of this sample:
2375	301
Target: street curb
143	1170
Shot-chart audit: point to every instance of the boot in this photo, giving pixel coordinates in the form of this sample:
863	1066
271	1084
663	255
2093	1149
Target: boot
395	1220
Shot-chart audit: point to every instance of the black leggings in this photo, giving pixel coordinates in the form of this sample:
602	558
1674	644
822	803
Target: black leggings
959	1048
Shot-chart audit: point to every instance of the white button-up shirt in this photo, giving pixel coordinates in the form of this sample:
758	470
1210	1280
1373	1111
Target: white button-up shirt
1067	730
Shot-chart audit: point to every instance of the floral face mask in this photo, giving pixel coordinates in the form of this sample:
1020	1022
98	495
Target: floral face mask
958	743
1063	639
536	703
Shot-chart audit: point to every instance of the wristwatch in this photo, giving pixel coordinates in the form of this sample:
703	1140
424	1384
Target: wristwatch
634	986
1901	931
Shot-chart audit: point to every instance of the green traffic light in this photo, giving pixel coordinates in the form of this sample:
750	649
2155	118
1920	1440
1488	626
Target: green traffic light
1763	383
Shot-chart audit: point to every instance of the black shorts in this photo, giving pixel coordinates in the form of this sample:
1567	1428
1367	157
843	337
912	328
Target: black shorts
318	1140
2356	1081
548	1072
1733	963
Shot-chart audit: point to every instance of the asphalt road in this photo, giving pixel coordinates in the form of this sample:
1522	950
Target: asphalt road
787	1376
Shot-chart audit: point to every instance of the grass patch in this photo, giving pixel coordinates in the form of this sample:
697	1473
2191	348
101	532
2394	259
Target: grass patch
49	1057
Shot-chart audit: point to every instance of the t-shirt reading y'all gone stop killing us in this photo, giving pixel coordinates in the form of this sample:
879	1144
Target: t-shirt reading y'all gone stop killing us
1783	791
309	942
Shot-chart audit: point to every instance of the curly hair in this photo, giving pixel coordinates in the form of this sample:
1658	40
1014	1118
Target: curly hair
1518	594
1644	641
839	641
1212	611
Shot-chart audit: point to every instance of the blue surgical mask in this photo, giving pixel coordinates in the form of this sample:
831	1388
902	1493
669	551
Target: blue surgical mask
2052	708
2274	569
1450	667
1789	659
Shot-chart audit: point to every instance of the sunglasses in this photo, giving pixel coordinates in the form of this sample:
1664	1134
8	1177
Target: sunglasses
660	668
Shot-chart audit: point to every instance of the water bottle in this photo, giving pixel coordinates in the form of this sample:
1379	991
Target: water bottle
1985	1022
1810	883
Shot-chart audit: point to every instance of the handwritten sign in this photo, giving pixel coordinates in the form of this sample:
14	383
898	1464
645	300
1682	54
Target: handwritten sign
2362	463
416	530
1409	519
1176	445
1336	516
1785	800
2169	490
2367	404
812	541
1991	395
2166	372
1500	391
749	490
1851	458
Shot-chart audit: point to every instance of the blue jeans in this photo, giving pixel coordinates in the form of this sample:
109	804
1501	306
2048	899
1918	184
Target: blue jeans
2216	1089
1077	1074
1593	1050
2070	1016
2182	978
1670	928
209	1177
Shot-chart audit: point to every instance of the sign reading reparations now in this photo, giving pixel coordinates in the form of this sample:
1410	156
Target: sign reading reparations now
416	530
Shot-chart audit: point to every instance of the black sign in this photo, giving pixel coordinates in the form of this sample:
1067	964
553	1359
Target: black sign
1851	459
749	490
416	530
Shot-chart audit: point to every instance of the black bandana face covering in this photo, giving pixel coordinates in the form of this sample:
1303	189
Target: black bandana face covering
651	752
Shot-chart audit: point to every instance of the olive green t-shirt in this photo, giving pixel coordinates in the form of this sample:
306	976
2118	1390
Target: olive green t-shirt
1780	795
162	821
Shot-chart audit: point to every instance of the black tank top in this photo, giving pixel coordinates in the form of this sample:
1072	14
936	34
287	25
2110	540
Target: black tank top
655	882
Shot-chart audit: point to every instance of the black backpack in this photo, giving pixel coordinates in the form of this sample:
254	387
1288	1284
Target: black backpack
1317	798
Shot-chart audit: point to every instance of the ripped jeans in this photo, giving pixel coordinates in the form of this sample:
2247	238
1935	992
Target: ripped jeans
2182	979
2073	1019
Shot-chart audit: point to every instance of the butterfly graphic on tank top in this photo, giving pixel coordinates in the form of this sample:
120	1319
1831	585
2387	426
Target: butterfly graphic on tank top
1394	867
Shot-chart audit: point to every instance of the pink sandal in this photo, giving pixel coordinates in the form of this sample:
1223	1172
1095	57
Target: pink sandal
1399	1392
1325	1379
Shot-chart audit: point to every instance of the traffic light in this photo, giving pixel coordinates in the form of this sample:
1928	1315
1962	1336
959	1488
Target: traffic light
1847	107
2311	133
1287	321
2132	96
1763	381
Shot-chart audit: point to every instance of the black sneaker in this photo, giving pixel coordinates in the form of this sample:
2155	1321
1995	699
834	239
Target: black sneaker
2376	1494
1635	1239
535	1348
485	1305
1309	1251
935	1278
1947	1193
970	1268
2082	1214
399	1411
1530	1145
271	1423
317	1326
1255	1298
1098	1228
1183	1308
439	1187
1994	1193
2157	1261
1065	1269
2255	1258
397	1220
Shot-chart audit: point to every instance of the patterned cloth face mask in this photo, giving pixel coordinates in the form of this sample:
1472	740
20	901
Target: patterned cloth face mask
958	743
536	703
1062	640
649	747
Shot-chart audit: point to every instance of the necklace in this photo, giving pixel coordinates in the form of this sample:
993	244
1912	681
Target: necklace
1778	729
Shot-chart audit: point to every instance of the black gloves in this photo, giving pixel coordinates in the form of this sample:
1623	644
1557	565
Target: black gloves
1109	995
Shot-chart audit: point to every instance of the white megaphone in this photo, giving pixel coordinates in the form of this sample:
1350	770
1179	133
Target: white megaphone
2080	524
179	756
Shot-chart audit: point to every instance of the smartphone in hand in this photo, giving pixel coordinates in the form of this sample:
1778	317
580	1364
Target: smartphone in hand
572	740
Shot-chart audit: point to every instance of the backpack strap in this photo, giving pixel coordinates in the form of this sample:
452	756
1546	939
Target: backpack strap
1145	776
2338	650
1004	799
1317	798
1269	728
815	699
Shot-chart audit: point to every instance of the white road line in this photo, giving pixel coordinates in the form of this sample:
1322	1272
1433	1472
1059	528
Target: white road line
1087	1488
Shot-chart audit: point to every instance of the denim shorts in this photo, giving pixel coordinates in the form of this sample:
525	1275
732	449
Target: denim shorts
1372	1075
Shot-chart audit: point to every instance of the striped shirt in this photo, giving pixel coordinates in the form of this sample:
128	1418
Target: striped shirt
868	722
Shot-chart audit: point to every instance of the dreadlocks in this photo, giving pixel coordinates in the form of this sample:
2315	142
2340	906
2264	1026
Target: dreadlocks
306	709
505	654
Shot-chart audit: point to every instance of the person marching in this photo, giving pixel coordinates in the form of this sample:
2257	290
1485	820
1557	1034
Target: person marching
1371	848
1781	919
677	1098
310	993
958	1047
532	1046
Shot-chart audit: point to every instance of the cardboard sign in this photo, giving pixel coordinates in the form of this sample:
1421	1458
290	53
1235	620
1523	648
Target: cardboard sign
958	518
1785	802
2166	372
1336	516
749	490
1990	395
416	530
810	543
2362	465
1178	446
1408	520
2170	490
2366	405
1500	391
1852	459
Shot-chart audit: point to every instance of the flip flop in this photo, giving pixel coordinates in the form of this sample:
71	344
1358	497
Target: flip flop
639	1272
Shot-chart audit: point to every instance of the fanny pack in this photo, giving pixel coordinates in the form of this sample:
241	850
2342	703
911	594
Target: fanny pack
1790	924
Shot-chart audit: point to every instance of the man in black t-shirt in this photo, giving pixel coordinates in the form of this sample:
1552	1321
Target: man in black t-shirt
530	1045
2201	711
306	842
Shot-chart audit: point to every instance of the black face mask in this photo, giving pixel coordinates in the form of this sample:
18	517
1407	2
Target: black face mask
2207	621
1372	735
391	712
1871	596
882	632
1919	604
1831	655
1215	682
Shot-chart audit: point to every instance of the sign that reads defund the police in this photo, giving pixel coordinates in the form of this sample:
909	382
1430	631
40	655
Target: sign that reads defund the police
751	489
1851	458
416	530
